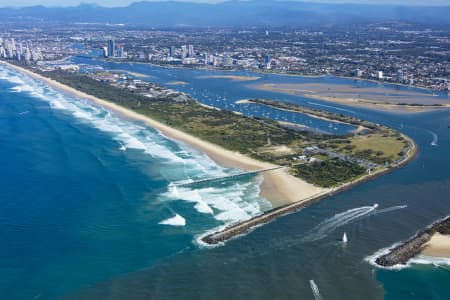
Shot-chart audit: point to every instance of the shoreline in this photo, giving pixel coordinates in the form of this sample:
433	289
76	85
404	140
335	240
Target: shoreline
428	242
237	229
273	186
283	73
284	191
309	114
363	103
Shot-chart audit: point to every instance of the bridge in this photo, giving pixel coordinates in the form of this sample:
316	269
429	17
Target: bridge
223	178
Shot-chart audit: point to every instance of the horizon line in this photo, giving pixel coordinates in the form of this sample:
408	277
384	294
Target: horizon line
325	2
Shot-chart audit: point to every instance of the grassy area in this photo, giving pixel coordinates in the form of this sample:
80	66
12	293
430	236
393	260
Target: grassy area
385	147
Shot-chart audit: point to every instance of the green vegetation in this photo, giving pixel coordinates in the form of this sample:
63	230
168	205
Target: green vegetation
316	113
377	147
329	173
260	138
378	144
224	128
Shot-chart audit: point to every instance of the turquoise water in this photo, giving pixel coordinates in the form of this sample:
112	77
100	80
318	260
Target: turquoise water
418	282
84	190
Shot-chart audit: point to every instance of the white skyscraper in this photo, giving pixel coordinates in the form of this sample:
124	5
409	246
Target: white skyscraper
183	51
380	74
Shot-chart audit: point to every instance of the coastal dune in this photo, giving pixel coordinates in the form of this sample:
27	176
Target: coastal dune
279	187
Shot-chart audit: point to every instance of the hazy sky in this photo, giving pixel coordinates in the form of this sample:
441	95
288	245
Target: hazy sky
126	2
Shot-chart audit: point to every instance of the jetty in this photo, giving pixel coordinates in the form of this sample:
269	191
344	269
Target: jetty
224	178
413	246
243	227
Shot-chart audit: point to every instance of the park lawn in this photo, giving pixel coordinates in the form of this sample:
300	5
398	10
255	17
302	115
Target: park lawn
391	146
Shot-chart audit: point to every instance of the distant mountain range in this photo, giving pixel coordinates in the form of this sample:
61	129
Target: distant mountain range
231	13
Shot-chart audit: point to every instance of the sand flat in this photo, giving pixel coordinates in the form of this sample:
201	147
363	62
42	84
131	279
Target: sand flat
232	77
381	98
177	83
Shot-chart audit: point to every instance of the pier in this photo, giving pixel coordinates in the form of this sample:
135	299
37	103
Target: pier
224	178
245	226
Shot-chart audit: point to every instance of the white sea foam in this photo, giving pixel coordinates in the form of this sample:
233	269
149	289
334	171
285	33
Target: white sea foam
430	260
372	258
132	135
177	220
226	204
418	260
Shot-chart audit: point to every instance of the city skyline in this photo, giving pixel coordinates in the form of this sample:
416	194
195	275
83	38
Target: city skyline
118	3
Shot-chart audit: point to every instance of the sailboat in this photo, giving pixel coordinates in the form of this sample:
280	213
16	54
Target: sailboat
344	238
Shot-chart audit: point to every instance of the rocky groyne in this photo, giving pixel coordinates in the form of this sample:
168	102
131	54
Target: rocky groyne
245	226
413	246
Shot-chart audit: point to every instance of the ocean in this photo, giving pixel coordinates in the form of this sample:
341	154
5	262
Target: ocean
85	197
87	211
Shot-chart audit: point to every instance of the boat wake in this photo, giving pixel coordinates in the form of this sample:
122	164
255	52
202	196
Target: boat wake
393	208
325	228
315	290
334	107
435	140
329	225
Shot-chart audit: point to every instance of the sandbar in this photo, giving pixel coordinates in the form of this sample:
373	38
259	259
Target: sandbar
177	83
232	77
378	98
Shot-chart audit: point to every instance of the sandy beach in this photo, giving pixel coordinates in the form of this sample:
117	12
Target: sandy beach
278	186
437	246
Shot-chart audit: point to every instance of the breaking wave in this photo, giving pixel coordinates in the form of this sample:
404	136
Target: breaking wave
177	220
228	204
430	260
417	260
222	203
